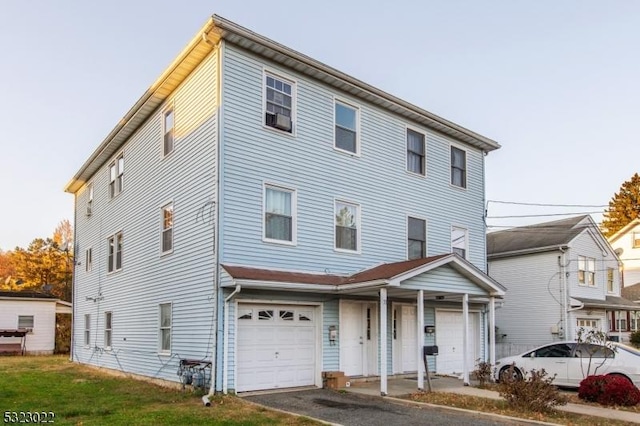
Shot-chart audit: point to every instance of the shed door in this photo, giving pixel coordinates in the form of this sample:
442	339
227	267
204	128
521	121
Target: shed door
276	346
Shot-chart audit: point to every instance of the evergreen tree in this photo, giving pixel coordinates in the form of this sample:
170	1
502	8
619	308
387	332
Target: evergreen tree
623	207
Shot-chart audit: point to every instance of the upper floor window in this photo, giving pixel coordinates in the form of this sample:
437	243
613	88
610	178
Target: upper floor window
114	261
458	167
587	270
346	128
416	238
459	241
347	225
89	199
610	276
279	214
88	260
164	332
415	152
116	176
107	330
168	126
167	228
279	95
87	329
636	239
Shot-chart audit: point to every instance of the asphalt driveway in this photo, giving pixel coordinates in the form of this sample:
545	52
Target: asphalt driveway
362	410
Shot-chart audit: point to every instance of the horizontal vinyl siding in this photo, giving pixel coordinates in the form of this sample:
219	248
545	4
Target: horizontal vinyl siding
186	177
42	339
377	180
585	245
532	301
444	279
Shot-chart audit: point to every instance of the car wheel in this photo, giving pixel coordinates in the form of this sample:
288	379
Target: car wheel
510	373
621	375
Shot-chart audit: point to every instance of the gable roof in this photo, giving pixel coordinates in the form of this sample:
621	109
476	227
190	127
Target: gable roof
217	29
610	302
539	237
622	231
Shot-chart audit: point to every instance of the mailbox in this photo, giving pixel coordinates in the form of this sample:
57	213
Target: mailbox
429	350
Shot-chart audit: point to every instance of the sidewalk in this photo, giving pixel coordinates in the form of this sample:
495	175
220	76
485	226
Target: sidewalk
398	387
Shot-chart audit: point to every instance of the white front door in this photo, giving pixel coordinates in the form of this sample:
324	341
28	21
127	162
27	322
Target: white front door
358	338
449	338
276	346
404	338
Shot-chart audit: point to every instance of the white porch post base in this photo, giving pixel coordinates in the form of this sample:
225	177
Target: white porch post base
383	341
465	339
420	339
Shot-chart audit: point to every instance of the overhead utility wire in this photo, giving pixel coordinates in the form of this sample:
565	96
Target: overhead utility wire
546	204
541	215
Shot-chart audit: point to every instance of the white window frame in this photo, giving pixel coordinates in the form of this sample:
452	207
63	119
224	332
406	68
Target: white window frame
356	108
634	320
426	233
87	330
90	195
168	110
22	318
108	330
582	323
286	79
163	229
424	145
619	317
88	259
294	213
466	166
611	280
112	262
161	328
116	179
586	272
466	239
635	239
358	225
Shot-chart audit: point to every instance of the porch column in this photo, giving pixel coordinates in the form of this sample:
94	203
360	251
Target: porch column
420	339
492	331
383	341
465	338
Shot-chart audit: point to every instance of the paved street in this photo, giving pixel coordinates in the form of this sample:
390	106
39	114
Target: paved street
360	410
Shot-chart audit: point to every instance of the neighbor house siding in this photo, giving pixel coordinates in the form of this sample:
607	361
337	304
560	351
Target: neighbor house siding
41	340
585	245
629	255
308	162
185	278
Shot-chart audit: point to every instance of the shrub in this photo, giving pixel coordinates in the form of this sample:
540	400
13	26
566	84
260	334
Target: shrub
635	339
482	373
609	390
533	393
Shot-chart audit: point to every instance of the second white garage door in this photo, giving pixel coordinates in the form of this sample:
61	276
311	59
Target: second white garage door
276	346
449	338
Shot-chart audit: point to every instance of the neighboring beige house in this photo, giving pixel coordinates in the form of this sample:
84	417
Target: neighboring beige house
28	321
626	243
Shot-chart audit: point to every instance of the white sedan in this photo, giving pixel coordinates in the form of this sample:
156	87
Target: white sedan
571	362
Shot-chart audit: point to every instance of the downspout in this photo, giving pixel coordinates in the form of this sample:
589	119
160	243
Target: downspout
225	342
564	295
73	277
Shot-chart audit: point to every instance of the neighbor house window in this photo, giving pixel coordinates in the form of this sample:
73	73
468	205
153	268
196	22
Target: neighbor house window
347	225
107	329
88	259
168	126
610	280
415	152
346	127
636	239
416	238
279	214
633	319
587	270
167	228
458	167
620	320
25	321
87	329
116	176
165	327
587	324
459	241
114	260
279	95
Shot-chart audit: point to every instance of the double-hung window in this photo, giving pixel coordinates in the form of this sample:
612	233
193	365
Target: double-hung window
108	317
610	275
116	176
279	97
621	320
459	241
347	226
89	199
458	167
87	329
114	250
168	126
346	128
279	214
587	271
415	152
416	238
167	228
88	260
165	328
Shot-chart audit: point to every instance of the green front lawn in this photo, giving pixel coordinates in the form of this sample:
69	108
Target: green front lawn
80	395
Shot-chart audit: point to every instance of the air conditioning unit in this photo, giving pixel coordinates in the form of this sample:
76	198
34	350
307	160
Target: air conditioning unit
88	212
283	122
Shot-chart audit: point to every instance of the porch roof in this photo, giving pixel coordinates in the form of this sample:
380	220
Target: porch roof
390	274
610	303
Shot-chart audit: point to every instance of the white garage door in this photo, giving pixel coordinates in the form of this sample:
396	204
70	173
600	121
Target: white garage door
276	346
449	338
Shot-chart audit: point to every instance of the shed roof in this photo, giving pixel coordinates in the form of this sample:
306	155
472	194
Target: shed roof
26	295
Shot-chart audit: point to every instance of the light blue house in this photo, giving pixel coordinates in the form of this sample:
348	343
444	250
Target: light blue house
265	212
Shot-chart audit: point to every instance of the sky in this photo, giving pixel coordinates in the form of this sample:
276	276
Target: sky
556	83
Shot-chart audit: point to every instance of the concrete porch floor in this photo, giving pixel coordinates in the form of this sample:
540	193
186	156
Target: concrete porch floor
397	386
